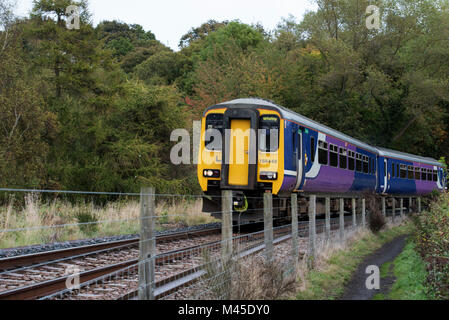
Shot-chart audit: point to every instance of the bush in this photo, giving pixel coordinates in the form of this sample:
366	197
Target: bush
376	220
88	220
432	239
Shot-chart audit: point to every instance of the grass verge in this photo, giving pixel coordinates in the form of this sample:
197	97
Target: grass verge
410	273
328	280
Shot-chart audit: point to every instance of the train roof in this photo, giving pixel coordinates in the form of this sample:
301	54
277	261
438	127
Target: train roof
290	115
407	156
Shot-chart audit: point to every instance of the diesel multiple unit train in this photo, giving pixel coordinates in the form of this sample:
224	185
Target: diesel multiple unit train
252	146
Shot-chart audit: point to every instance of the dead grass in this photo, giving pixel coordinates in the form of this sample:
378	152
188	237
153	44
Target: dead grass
41	220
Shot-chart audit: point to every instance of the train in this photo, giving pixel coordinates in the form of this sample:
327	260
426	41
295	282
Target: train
252	146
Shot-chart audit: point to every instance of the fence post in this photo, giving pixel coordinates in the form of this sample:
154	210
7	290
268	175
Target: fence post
410	203
268	224
226	225
295	227
312	227
384	207
419	204
328	218
364	213
342	219
402	207
394	210
147	244
354	213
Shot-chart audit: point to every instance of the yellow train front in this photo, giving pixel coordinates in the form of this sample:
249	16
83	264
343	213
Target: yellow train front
240	151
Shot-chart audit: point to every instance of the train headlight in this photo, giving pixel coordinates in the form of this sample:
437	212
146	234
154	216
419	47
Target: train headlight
268	175
209	173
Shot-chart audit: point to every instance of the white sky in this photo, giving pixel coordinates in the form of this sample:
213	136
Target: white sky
170	19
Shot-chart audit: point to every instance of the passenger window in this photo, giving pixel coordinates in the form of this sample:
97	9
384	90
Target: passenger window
351	160
322	152
333	155
429	175
403	171
365	164
392	170
358	162
343	158
417	173
411	174
435	175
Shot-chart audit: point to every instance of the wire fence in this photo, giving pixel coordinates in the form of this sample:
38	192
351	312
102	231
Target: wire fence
261	264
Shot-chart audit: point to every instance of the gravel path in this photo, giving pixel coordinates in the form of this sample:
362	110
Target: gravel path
356	288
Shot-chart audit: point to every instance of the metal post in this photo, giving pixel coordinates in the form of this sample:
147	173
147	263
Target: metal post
226	225
147	244
295	227
342	219
268	224
402	207
363	213
384	207
419	204
393	215
354	213
328	218
312	226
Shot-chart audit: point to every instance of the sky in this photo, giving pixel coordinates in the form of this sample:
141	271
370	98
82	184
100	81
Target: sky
169	20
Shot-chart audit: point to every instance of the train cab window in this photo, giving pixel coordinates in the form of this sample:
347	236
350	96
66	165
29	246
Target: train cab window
403	171
322	152
343	158
214	122
312	149
435	175
269	133
333	155
358	162
429	175
417	173
351	160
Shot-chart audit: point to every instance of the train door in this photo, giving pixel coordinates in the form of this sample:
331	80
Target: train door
298	158
385	172
240	149
239	152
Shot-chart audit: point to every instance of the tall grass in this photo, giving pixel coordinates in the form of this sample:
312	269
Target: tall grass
115	218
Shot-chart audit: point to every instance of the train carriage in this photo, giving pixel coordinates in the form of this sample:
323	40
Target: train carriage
252	145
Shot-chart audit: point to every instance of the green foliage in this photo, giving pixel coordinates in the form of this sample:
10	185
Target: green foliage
87	220
432	242
97	105
410	273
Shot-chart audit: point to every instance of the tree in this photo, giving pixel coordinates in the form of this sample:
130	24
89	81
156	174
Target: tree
201	32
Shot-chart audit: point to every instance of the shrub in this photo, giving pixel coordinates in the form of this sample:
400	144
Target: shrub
87	221
432	239
376	220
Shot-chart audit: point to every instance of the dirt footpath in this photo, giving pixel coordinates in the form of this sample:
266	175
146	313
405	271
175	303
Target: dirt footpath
356	288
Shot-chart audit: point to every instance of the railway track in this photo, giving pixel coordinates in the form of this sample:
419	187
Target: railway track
36	275
177	273
110	270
